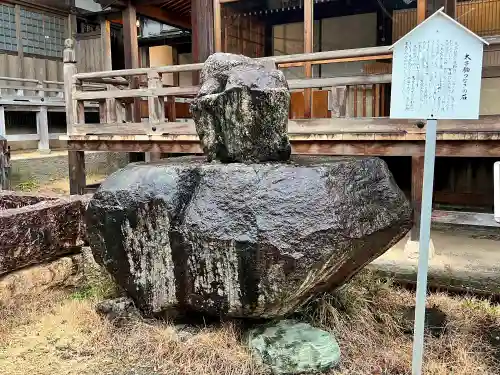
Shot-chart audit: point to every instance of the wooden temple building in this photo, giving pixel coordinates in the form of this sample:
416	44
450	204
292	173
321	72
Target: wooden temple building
335	55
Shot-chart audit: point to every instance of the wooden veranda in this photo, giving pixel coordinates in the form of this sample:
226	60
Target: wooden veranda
127	126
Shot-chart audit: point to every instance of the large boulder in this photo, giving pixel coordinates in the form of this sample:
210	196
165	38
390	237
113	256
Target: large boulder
243	240
36	229
241	110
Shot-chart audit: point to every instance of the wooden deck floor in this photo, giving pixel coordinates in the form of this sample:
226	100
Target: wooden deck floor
342	136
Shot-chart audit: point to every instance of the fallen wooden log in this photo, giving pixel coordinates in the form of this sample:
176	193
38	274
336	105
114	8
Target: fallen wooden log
36	229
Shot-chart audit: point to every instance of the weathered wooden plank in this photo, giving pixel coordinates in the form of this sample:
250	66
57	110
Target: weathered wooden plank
308	48
110	115
330	61
135	93
32	88
339	81
2	121
326	129
156	104
300	145
42	125
140	71
338	101
131	129
19	37
131	52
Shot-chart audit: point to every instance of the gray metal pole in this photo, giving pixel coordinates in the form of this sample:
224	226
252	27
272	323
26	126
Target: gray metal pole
424	241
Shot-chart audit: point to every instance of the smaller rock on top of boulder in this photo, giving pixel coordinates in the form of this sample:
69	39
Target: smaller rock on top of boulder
241	110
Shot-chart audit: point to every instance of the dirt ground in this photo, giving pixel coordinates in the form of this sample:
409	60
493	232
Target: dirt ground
59	332
55	186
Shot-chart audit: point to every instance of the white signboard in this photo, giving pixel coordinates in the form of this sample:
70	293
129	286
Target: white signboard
437	71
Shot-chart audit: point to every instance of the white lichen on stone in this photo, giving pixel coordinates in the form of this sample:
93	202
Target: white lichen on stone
147	245
214	270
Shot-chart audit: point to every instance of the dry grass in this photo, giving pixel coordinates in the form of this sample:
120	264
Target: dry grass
54	186
60	333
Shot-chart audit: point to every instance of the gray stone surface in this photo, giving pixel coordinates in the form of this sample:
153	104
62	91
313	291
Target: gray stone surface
289	347
243	240
118	310
36	229
241	110
65	272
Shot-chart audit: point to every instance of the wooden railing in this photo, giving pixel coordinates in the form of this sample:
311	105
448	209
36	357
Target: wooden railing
31	95
119	101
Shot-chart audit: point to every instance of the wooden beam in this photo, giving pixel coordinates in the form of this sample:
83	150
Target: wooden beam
110	104
203	22
136	93
19	37
308	48
202	34
176	144
329	61
72	27
218	26
295	84
164	16
131	52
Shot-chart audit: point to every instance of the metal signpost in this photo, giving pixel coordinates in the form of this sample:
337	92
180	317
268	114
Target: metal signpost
436	74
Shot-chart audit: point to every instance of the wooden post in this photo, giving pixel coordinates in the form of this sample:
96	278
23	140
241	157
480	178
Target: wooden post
308	48
42	123
338	101
156	109
72	27
417	182
4	164
110	105
217	26
3	132
131	52
202	39
76	159
19	37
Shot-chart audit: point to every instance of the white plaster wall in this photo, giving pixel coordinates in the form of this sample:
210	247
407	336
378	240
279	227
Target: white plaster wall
161	56
490	97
